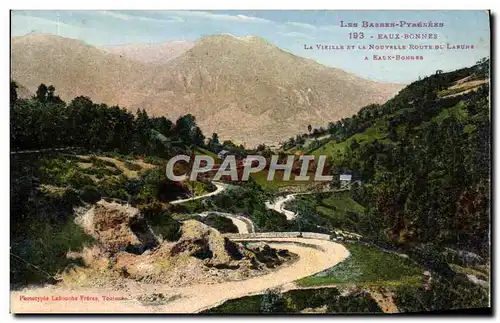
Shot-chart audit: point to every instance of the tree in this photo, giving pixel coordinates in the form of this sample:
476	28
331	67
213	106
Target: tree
309	128
13	92
185	127
41	92
354	144
50	92
272	302
213	143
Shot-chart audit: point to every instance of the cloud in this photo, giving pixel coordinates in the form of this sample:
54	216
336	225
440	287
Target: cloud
300	24
243	17
128	17
24	24
215	16
297	34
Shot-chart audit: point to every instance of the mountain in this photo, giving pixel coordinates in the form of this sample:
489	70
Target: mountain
74	68
151	53
23	92
245	89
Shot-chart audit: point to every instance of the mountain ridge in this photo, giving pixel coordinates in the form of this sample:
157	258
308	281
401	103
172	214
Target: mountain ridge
244	88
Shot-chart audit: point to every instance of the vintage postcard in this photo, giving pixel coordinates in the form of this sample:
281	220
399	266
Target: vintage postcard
262	162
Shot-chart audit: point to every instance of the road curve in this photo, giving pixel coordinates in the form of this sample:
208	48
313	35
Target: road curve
220	188
314	256
279	204
244	225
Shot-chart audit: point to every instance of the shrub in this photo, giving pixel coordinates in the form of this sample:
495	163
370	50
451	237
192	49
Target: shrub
161	221
443	295
164	226
154	160
132	166
100	172
45	248
272	302
77	179
90	194
101	163
222	224
70	197
114	187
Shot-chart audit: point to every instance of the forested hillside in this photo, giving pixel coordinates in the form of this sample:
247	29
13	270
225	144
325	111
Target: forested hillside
45	121
423	159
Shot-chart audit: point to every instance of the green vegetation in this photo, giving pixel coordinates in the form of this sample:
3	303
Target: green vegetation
38	252
206	152
367	265
223	224
161	222
44	192
329	211
277	182
342	202
459	111
244	305
470	271
337	149
45	121
456	90
424	164
444	295
249	199
132	166
324	300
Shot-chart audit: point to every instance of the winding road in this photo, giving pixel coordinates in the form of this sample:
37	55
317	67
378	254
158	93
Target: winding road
315	255
279	203
244	225
221	187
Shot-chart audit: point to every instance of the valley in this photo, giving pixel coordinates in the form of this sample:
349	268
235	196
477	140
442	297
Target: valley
403	224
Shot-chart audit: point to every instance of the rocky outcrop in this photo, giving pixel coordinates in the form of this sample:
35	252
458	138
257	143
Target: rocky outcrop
127	248
118	227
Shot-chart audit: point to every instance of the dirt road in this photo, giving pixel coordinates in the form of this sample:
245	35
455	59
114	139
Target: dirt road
220	188
279	206
314	256
244	225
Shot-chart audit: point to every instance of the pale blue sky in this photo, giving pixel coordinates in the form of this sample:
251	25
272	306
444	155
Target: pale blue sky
289	30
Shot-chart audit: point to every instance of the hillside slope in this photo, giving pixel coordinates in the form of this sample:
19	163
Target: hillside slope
74	68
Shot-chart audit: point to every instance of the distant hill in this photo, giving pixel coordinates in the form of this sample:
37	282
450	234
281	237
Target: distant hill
245	89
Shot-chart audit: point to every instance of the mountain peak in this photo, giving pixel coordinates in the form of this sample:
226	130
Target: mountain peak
243	88
230	37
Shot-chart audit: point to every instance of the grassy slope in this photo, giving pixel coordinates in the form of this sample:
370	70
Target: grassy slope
342	201
337	149
368	265
379	132
459	111
325	300
277	182
335	208
203	151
